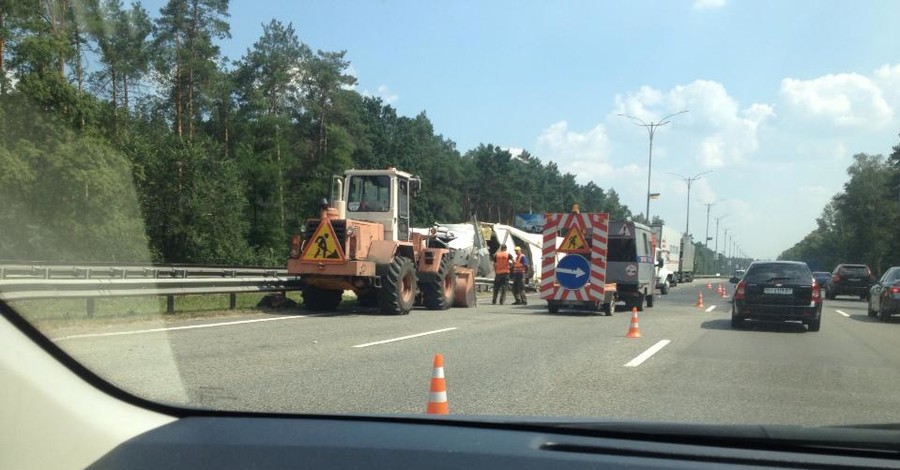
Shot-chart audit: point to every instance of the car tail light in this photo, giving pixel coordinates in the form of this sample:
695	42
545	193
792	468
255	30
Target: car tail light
816	295
740	291
836	278
895	290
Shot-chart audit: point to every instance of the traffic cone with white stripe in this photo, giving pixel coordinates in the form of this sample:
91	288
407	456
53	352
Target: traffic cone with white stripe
708	284
634	331
722	292
437	395
699	303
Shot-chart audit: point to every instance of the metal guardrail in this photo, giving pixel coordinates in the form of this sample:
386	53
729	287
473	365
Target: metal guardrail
230	281
125	271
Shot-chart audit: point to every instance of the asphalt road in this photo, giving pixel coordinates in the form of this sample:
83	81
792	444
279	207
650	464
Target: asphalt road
520	360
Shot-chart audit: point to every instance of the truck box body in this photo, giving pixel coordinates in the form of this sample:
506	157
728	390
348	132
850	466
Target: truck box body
686	270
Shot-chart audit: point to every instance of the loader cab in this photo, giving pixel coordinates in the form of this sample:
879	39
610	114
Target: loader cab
381	196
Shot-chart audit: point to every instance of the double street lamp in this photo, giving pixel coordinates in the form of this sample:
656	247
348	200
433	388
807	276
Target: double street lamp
651	130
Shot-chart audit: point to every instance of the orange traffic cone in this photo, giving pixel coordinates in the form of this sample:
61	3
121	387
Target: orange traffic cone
699	300
708	285
634	331
437	395
722	292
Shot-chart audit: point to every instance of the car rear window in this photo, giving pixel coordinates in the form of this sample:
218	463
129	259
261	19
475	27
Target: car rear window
782	272
854	271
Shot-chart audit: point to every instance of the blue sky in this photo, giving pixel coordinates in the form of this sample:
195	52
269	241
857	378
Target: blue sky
780	94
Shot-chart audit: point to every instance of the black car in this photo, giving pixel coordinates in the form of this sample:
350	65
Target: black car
850	279
779	291
884	295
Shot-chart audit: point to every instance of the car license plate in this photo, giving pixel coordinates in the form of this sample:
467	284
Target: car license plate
778	290
854	279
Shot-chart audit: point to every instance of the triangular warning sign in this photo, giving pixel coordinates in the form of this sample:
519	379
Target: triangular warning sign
574	242
624	231
323	246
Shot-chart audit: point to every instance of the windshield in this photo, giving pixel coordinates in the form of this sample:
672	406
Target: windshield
369	194
854	271
778	272
163	165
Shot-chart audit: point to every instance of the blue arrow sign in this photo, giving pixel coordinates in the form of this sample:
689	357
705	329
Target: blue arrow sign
573	272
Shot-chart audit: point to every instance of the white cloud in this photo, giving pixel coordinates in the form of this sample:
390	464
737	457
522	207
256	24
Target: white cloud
351	71
841	100
514	151
708	4
386	95
582	154
729	132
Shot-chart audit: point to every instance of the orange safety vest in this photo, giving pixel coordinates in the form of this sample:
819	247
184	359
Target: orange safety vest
518	266
501	262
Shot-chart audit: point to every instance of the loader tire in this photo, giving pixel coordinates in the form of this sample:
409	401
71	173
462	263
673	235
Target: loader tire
398	286
321	300
439	292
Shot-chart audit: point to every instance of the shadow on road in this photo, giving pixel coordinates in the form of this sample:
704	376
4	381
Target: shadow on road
864	318
750	325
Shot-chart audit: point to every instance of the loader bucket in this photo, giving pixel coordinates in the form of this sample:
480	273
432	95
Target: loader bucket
464	291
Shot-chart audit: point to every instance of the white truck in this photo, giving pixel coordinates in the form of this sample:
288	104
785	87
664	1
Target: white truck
685	271
668	249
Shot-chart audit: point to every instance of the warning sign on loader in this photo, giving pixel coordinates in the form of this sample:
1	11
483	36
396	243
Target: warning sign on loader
323	246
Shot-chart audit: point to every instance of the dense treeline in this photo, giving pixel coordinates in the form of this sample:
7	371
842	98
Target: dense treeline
858	225
121	131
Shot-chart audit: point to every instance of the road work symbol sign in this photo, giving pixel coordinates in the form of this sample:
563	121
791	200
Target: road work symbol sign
323	246
573	272
574	242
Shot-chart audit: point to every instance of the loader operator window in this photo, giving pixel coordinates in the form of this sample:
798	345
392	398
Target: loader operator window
369	194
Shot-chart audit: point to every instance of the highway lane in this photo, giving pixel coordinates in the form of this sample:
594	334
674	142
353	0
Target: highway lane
524	361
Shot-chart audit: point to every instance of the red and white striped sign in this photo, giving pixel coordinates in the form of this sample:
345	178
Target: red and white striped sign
598	227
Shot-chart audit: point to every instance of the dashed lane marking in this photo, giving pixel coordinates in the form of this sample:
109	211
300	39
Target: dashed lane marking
711	308
404	338
648	353
842	313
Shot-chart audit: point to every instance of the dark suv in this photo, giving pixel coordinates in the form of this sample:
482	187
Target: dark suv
779	291
850	279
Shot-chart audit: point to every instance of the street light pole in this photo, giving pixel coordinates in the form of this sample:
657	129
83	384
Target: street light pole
651	131
689	180
724	245
687	230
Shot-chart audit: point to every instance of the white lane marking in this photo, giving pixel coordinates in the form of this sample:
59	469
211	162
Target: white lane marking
173	328
842	313
710	309
646	354
404	337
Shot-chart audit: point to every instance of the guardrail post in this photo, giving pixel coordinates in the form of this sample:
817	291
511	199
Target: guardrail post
90	306
170	304
232	301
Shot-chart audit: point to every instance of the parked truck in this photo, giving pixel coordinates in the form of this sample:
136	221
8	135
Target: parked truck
668	242
630	265
574	265
686	261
